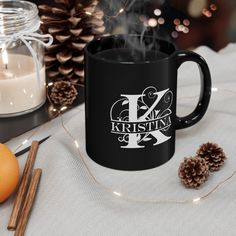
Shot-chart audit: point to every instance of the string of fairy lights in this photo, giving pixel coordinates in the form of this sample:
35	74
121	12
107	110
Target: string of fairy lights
179	26
114	192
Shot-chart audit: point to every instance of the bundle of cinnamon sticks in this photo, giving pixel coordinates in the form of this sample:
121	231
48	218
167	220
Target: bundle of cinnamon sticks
26	193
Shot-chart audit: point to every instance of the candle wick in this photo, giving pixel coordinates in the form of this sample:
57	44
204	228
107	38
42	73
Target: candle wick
6	66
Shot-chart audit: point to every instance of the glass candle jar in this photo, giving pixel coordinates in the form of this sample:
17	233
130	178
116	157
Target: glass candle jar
22	70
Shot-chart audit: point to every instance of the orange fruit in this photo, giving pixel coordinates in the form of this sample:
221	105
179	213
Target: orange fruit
9	172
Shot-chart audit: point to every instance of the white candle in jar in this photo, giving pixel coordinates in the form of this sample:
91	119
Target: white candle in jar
20	90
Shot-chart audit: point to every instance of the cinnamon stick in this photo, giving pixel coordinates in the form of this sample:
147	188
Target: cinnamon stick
20	197
29	201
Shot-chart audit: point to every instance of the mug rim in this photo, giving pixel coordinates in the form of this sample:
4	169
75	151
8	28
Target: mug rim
87	51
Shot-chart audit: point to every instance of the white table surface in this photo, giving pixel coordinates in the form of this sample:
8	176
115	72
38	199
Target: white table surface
70	203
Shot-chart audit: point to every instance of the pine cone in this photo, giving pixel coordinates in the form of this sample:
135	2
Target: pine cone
63	93
193	171
213	154
72	23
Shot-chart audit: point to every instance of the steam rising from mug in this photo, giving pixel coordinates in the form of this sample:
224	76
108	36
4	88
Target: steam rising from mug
129	23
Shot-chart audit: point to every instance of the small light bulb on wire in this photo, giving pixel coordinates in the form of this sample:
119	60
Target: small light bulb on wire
117	193
25	141
196	199
76	144
121	10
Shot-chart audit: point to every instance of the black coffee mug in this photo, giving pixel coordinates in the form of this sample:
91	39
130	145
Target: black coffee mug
130	100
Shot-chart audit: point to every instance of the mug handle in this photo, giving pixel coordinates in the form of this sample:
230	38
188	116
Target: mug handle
205	94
